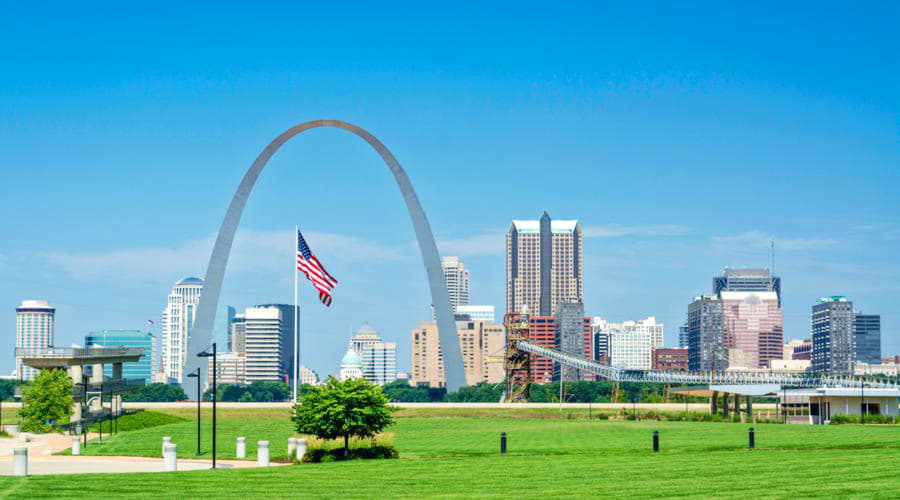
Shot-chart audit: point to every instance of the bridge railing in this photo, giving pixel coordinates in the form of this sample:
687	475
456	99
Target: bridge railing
717	377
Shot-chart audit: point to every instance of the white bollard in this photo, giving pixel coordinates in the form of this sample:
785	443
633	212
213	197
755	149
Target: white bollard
301	449
262	454
170	457
20	461
292	447
76	446
166	440
241	449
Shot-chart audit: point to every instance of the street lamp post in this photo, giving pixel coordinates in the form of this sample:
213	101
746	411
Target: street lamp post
196	375
206	354
862	402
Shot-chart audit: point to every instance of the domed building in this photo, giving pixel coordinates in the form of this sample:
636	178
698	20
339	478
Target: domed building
351	365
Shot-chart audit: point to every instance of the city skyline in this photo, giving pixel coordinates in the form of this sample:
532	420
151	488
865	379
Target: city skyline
629	133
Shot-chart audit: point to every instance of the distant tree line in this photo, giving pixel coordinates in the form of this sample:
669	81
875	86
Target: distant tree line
157	393
573	392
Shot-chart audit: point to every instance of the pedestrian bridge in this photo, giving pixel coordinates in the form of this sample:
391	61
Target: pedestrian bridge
807	380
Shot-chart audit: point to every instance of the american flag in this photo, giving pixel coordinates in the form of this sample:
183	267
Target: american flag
314	271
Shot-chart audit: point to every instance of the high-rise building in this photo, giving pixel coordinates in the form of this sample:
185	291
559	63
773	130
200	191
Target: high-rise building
363	337
231	368
379	362
142	368
747	280
834	342
288	350
222	327
263	346
476	313
482	346
753	328
683	337
707	349
747	302
34	330
631	350
542	330
177	322
867	330
236	336
657	331
543	265
600	333
457	278
569	337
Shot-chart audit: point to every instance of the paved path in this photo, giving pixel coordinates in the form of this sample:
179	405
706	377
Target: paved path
42	461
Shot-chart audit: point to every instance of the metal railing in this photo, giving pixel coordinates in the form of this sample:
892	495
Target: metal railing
77	352
717	377
108	387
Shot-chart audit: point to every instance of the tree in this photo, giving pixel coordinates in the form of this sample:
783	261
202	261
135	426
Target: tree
8	389
157	393
49	399
352	407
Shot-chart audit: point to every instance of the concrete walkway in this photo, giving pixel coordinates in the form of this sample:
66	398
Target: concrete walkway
41	460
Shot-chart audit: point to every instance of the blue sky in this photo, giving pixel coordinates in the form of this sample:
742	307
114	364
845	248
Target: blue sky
683	137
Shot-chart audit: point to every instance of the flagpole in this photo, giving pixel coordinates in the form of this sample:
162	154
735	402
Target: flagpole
296	317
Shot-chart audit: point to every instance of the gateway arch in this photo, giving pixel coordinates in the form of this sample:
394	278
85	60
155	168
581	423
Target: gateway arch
201	334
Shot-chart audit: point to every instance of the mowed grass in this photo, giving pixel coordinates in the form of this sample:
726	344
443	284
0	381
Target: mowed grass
452	454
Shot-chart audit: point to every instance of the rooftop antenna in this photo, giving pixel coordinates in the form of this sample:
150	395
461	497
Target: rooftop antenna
773	258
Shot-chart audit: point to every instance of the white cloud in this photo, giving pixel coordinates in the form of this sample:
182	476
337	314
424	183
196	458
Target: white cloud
757	240
480	244
616	231
253	251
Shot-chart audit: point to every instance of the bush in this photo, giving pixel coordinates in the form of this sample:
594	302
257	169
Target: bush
870	419
332	450
140	420
343	408
48	399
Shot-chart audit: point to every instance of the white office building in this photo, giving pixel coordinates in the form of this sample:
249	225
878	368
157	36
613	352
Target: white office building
231	368
477	313
177	322
34	330
379	362
263	344
457	278
377	359
365	336
647	325
631	350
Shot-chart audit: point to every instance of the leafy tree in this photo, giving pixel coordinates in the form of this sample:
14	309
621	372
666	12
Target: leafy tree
49	398
8	389
352	407
157	393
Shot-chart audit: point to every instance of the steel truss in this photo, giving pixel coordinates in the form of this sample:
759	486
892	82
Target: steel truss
716	377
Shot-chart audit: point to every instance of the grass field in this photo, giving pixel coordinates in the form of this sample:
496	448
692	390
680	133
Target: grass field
455	454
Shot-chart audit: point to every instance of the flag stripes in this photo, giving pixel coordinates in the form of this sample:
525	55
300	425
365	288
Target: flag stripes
314	270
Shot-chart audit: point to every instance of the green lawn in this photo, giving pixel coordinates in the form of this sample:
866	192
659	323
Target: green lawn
455	454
